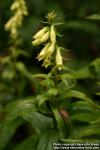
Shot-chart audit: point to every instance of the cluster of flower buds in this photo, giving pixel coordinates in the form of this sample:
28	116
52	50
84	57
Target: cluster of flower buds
47	35
20	10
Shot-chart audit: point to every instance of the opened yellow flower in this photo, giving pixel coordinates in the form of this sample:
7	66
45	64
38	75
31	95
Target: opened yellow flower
44	38
40	33
15	5
51	48
59	59
46	54
43	52
36	42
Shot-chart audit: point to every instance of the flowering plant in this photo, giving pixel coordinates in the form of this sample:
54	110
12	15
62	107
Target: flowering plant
58	111
51	51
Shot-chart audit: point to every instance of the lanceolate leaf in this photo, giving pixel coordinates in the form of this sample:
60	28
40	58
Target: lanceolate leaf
62	125
40	76
53	137
85	117
82	26
80	95
11	122
86	131
15	109
82	106
46	140
95	68
94	17
28	144
79	140
82	73
7	130
41	99
77	94
68	80
38	121
26	110
43	142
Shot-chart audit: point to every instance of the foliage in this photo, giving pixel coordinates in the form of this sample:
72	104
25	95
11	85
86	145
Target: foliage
55	103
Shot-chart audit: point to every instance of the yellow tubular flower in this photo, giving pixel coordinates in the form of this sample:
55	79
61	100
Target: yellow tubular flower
59	60
51	48
45	37
43	52
36	42
15	5
52	34
40	33
19	10
47	58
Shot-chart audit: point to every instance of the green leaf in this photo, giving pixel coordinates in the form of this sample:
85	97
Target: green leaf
86	131
11	122
53	92
95	68
62	125
41	99
68	80
79	140
80	95
8	74
7	130
94	17
49	83
46	140
40	76
82	73
28	144
85	117
53	137
38	121
77	94
22	69
82	106
82	25
15	108
27	110
97	93
21	52
97	121
43	142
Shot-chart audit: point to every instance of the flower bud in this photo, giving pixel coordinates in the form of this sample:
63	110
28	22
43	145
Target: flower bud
52	34
48	55
45	37
15	5
36	42
51	48
8	25
40	33
59	60
47	60
43	52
